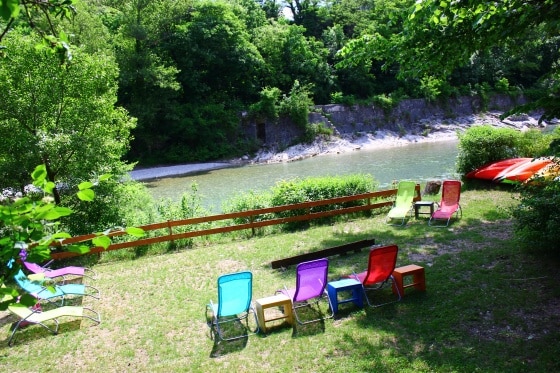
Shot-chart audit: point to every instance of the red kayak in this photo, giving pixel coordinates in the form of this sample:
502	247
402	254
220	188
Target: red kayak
523	171
548	172
496	169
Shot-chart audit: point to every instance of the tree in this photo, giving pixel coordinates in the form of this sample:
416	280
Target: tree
440	35
60	115
148	86
30	228
291	56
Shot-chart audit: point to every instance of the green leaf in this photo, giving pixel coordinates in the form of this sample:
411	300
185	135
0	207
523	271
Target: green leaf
86	195
27	300
39	175
85	185
49	187
53	213
9	9
62	36
60	235
134	231
102	241
105	177
80	249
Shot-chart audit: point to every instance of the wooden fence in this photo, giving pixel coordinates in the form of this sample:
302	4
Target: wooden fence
256	219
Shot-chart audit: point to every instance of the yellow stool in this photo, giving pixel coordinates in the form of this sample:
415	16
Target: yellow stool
273	301
418	278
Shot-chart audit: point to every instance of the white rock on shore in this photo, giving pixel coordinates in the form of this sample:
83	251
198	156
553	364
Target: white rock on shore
438	131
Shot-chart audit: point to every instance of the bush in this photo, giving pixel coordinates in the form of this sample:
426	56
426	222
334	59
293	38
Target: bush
341	99
289	192
251	200
296	105
430	88
386	102
316	129
116	205
316	189
267	106
483	144
537	217
502	85
534	143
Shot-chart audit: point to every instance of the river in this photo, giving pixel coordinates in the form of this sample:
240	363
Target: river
418	162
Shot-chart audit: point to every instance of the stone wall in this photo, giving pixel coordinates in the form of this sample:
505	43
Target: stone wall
408	115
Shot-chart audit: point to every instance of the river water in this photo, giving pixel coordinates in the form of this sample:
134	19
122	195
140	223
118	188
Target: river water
418	162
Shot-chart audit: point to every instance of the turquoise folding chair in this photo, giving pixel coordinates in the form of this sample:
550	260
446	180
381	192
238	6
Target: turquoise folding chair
233	307
48	293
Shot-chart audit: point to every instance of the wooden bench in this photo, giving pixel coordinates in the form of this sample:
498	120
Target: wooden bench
337	250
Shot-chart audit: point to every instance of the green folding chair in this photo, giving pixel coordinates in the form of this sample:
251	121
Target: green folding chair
403	203
37	316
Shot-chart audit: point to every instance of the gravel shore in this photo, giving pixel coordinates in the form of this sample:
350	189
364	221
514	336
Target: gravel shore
439	131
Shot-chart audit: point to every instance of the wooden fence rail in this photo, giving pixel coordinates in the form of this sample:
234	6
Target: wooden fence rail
256	219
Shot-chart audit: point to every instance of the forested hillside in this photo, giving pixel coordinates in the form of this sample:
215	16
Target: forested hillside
189	69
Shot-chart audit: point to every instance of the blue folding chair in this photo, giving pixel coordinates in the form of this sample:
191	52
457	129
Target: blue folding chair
40	291
234	305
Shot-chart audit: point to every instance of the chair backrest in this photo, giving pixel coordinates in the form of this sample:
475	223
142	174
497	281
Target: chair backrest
382	261
311	279
405	193
450	195
27	285
235	291
33	267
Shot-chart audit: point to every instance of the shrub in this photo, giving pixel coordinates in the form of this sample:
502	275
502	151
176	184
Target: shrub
316	129
340	98
430	88
533	143
116	204
251	200
482	144
315	189
502	85
267	106
537	217
296	105
385	102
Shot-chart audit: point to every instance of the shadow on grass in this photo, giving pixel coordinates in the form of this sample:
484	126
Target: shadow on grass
34	332
233	337
312	321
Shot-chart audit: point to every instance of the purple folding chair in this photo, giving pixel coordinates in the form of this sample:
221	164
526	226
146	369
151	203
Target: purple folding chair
311	281
61	272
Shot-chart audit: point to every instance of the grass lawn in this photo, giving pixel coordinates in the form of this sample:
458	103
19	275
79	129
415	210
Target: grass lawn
489	307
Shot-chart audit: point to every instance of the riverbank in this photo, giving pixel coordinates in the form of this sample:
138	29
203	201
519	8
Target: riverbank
434	130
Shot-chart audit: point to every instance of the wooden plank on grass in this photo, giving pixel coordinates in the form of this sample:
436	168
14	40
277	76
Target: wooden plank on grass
337	250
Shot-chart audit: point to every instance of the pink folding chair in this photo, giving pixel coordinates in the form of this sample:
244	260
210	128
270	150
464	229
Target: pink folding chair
381	264
311	282
449	205
61	272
